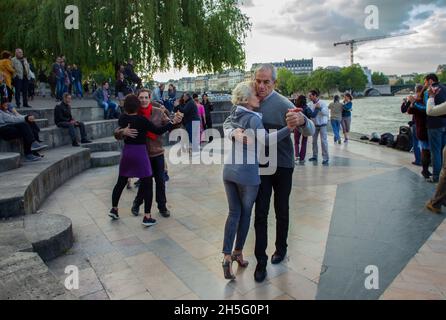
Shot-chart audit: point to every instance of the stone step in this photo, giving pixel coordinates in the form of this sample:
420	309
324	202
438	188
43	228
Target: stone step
56	137
91	112
105	159
51	235
13	237
43	123
105	144
24	276
9	161
22	190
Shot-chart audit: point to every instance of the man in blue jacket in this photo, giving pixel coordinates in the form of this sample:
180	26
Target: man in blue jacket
103	98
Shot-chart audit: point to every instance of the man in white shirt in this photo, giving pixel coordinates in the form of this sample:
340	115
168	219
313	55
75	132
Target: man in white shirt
320	118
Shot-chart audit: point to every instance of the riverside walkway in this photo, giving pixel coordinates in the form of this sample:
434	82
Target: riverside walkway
365	209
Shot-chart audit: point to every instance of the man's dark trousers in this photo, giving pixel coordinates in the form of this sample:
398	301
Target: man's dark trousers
21	87
281	182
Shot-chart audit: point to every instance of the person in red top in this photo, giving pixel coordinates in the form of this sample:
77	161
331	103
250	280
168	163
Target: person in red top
158	115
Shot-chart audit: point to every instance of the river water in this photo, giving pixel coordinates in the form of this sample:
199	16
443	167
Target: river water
378	114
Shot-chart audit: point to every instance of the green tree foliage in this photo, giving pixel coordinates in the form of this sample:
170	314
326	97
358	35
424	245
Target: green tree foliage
202	35
352	79
284	81
378	78
419	79
325	80
400	82
442	77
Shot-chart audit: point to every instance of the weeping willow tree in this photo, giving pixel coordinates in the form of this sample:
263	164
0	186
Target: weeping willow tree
201	35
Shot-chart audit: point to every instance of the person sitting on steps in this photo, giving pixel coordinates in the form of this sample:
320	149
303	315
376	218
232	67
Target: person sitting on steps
15	126
64	119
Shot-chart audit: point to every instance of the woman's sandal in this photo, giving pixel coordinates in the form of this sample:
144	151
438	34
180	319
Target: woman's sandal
226	264
238	257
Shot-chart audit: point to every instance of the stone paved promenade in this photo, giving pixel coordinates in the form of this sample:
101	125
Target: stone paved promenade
365	209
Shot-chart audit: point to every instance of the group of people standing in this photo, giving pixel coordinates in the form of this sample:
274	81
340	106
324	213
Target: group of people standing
65	78
337	113
428	127
428	110
257	106
19	77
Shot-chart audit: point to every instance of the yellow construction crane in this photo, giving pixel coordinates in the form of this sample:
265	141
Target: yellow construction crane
353	42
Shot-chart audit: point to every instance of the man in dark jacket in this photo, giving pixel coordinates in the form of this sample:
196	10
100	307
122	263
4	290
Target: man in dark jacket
130	74
76	73
64	119
191	119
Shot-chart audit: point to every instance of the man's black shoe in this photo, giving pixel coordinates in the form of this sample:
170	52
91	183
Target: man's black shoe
277	258
75	144
260	273
165	213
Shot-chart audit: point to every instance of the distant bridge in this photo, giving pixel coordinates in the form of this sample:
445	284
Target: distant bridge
386	90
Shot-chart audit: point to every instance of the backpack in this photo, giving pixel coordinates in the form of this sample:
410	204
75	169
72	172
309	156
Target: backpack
387	139
404	139
375	137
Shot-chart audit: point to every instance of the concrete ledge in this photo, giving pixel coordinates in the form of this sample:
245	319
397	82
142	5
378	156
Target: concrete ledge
9	161
105	159
51	235
23	190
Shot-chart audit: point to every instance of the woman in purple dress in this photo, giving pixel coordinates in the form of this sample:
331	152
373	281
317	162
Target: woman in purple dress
135	161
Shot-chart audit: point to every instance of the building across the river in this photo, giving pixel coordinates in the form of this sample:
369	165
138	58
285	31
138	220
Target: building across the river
296	66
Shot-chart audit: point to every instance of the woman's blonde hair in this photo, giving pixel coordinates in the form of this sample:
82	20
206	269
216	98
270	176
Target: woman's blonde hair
242	92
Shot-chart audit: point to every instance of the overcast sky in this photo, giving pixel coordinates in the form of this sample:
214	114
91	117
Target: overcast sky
287	29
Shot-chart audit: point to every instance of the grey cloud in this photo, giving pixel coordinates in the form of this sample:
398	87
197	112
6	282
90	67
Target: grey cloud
324	22
423	15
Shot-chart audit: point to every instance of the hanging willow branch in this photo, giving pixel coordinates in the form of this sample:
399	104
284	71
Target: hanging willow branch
202	35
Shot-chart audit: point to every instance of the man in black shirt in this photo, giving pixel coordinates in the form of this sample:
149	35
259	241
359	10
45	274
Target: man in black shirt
64	119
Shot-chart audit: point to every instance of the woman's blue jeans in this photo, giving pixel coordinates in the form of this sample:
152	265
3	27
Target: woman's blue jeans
241	199
336	125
